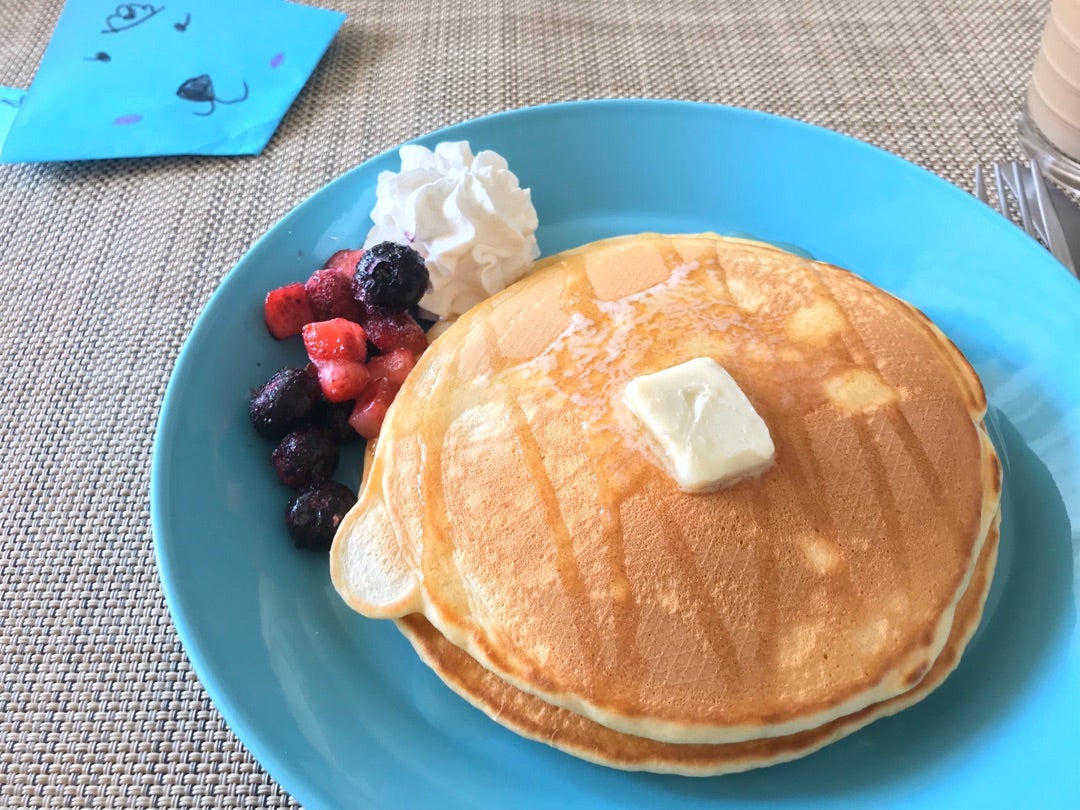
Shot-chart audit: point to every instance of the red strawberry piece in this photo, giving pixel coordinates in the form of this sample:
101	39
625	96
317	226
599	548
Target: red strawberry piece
345	261
371	406
395	330
342	380
394	366
330	293
286	310
335	340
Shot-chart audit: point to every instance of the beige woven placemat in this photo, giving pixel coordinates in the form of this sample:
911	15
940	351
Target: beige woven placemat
106	265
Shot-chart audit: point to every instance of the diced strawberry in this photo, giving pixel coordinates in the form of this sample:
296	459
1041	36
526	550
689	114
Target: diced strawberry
286	310
330	293
371	406
342	380
394	366
395	330
337	339
345	261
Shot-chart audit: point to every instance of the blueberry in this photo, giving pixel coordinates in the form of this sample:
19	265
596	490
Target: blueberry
284	402
390	276
333	417
305	456
315	513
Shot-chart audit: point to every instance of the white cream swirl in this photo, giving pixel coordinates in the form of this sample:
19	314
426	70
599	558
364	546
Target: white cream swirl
466	215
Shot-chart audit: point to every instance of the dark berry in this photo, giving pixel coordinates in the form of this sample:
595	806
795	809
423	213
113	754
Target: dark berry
391	277
315	513
333	417
305	456
284	402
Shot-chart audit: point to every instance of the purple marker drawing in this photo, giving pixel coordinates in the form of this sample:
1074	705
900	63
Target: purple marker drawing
128	15
130	118
277	59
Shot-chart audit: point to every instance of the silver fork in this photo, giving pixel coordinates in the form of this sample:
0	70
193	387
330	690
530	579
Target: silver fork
1024	183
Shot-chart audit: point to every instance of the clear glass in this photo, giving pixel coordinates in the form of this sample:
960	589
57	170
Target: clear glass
1049	124
1054	162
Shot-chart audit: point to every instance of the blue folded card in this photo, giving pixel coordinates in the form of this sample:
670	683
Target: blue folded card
10	101
172	77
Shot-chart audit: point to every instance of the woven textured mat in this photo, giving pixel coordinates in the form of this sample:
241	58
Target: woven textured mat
107	264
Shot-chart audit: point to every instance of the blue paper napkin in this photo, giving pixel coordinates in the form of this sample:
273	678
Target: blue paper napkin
198	77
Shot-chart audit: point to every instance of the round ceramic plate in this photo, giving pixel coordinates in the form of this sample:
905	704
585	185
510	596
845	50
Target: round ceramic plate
338	708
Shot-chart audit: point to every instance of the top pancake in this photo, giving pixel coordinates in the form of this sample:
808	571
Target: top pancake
513	500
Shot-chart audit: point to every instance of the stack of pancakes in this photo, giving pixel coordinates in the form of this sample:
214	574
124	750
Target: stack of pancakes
520	528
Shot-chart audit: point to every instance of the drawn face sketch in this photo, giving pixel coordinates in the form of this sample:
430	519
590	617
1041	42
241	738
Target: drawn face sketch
128	15
201	88
158	77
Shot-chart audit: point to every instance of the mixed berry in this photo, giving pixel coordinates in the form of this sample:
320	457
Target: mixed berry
353	316
305	456
391	276
285	401
315	513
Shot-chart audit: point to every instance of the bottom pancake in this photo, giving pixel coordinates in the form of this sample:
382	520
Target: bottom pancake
574	734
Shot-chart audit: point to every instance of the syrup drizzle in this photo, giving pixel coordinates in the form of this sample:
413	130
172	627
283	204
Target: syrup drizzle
566	559
579	297
796	452
711	620
857	354
436	541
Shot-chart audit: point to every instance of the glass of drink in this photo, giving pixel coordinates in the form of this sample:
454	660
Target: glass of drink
1050	120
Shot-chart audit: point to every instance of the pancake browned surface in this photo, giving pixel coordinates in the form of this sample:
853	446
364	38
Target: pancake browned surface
574	734
512	500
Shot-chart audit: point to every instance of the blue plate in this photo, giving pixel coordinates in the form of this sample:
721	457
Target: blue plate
337	707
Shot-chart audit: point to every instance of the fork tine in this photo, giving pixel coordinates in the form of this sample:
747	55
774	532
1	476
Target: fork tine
1016	186
980	185
1002	186
1052	231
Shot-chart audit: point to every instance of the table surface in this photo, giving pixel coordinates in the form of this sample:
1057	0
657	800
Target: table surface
107	264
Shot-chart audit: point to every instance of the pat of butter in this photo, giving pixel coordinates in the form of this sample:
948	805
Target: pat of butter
701	421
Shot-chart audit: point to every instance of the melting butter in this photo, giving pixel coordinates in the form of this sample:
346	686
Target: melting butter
705	429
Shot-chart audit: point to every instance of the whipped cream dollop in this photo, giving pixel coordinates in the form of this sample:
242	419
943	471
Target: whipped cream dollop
466	214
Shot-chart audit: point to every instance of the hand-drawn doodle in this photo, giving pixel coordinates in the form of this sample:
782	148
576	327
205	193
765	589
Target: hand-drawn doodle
13	102
128	15
100	56
125	120
277	59
201	88
182	27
